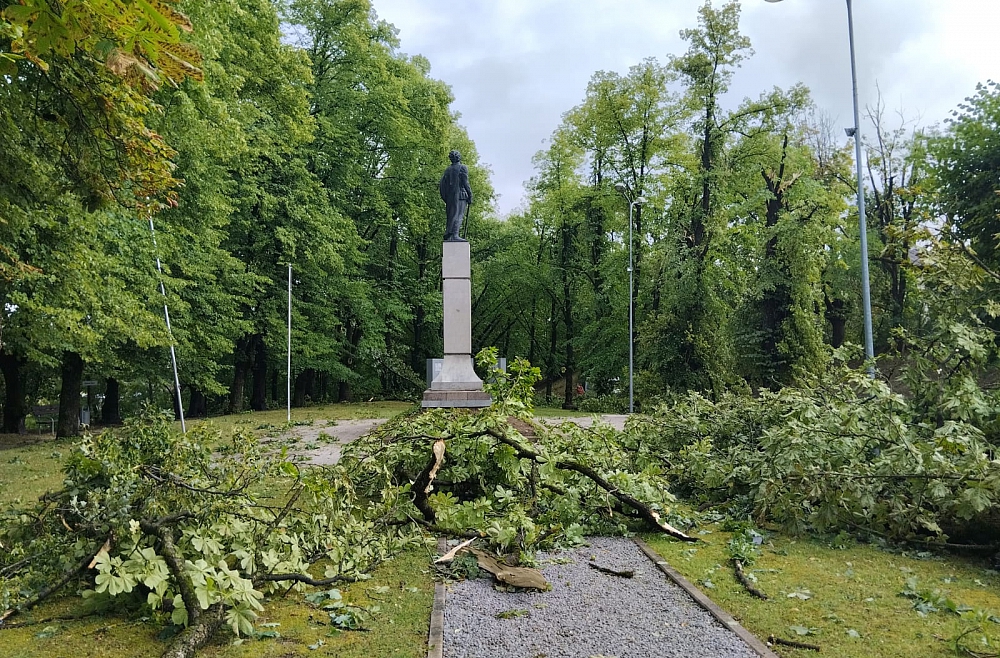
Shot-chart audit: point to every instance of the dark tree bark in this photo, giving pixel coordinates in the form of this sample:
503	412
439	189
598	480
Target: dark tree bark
299	390
836	314
69	395
198	404
111	413
15	407
567	246
418	354
258	397
354	334
241	367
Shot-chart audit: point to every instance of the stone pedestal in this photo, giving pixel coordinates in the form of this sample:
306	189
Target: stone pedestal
457	385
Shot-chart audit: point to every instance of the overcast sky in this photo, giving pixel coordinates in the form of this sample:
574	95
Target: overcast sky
515	66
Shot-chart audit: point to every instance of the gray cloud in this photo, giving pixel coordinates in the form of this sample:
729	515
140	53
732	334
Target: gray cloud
516	66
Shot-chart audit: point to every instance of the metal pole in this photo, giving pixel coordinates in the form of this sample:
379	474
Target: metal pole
288	382
631	208
166	316
866	298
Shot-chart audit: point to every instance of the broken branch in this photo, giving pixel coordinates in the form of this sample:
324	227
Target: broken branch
647	513
611	572
745	581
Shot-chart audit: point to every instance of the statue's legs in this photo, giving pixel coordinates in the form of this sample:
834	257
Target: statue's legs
456	213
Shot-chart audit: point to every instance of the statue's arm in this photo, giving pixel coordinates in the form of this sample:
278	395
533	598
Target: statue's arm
441	187
465	183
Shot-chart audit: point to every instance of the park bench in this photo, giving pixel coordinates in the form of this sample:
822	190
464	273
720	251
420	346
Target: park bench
47	413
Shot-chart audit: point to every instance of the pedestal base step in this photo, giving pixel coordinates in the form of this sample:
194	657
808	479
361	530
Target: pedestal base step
448	399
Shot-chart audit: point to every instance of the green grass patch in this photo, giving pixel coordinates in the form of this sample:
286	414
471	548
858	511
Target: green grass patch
403	590
846	599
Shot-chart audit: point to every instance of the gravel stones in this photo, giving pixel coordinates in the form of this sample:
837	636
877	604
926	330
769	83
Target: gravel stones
587	613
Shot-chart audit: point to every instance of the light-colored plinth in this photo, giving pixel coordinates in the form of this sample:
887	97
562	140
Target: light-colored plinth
457	374
457	385
464	399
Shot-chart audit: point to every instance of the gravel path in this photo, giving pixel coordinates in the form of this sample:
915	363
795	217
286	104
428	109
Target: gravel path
586	614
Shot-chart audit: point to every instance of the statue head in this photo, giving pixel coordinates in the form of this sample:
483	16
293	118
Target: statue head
455	157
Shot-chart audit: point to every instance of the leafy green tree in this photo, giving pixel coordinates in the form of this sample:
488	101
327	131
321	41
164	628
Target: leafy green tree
78	153
966	157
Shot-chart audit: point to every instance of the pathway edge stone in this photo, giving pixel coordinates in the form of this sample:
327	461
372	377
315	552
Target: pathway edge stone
435	636
723	617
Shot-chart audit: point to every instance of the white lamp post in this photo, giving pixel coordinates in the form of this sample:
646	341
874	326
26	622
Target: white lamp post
631	320
862	220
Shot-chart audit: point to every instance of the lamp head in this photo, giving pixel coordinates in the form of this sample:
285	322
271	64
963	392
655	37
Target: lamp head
640	200
772	1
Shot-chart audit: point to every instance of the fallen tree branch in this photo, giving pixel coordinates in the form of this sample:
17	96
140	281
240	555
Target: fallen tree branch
51	589
422	485
747	584
450	555
302	578
644	510
196	635
175	561
46	620
611	572
774	639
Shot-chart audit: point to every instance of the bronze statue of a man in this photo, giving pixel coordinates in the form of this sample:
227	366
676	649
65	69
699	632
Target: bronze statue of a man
456	194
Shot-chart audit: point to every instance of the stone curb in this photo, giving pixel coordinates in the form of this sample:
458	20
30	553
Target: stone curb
435	637
721	615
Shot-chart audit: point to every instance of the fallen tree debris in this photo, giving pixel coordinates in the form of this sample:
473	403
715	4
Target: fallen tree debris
628	573
450	555
774	639
746	582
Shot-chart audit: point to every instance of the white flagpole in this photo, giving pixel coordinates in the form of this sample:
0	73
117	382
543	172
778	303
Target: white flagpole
288	384
166	316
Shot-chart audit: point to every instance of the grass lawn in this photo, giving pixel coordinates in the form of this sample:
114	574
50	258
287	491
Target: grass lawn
402	588
832	591
559	412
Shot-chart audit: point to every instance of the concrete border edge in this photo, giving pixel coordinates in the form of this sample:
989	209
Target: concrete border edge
435	636
723	617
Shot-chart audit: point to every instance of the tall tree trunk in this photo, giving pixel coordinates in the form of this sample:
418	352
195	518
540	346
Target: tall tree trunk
14	406
258	396
418	355
299	390
354	335
69	395
241	367
836	315
111	410
198	404
568	314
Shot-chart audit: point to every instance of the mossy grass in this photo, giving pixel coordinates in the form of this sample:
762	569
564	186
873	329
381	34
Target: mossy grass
831	587
403	590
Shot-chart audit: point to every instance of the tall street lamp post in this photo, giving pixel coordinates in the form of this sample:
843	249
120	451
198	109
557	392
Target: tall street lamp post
631	319
866	297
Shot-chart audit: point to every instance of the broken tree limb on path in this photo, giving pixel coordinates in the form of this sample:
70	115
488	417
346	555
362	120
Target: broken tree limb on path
646	512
